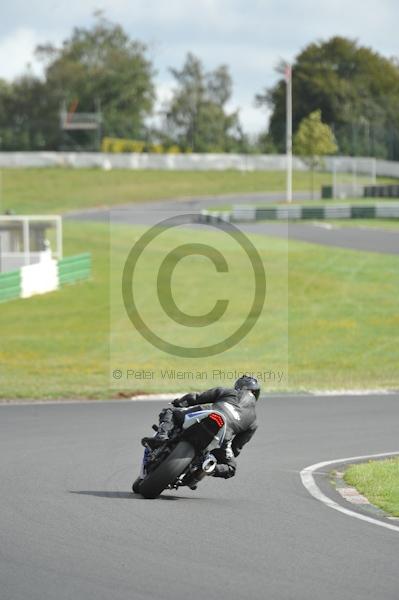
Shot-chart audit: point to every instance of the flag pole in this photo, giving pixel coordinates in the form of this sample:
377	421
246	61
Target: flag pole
288	79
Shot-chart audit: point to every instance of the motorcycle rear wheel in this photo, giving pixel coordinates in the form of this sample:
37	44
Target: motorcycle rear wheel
173	466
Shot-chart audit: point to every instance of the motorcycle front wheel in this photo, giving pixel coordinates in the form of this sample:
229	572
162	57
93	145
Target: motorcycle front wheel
173	466
136	485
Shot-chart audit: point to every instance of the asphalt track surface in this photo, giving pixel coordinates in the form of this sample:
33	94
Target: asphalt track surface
151	213
70	528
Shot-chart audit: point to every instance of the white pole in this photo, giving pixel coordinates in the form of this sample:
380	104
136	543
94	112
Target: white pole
288	79
334	185
59	237
374	171
26	241
354	181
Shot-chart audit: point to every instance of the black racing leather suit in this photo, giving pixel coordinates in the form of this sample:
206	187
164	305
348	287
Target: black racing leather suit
238	408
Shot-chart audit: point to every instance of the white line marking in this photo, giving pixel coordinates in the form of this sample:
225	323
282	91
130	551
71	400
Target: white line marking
313	489
324	225
352	392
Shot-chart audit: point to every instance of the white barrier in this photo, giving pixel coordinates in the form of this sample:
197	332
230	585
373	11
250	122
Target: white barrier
178	162
39	278
190	162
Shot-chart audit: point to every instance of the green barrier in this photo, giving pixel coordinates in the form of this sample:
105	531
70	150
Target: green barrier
74	268
10	285
327	192
70	270
10	276
313	212
10	294
298	212
362	212
70	260
263	214
75	276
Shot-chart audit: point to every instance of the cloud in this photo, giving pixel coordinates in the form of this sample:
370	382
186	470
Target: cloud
16	53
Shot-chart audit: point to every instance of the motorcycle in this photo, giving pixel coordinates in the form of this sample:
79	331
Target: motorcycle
185	458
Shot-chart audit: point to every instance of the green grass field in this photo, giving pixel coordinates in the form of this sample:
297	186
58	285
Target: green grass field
56	190
392	224
196	286
378	481
340	324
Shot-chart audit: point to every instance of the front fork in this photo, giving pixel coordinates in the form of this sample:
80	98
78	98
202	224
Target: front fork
143	471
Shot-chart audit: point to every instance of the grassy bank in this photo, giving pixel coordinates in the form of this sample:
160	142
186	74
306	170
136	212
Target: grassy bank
378	481
56	190
340	323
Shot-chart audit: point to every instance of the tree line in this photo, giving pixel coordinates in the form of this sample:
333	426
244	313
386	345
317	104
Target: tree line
102	71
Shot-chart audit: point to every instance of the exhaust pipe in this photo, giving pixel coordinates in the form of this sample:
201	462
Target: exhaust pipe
209	464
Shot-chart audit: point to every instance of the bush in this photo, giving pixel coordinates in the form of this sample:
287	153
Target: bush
118	145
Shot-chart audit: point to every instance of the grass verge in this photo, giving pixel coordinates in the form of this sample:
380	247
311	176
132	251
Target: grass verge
378	480
341	326
385	224
391	224
57	190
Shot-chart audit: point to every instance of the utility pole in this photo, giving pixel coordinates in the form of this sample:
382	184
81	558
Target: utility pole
288	80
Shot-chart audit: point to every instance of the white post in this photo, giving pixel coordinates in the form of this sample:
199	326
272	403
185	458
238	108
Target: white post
373	171
288	79
354	179
334	181
59	237
26	242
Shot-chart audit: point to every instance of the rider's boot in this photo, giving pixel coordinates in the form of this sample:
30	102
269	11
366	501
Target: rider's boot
166	425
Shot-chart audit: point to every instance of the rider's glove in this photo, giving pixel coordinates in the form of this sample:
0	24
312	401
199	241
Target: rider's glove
179	403
184	401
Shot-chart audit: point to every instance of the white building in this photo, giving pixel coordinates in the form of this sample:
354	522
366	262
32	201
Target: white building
24	240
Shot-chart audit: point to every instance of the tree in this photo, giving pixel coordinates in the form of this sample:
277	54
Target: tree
356	89
196	116
100	66
313	140
103	67
24	110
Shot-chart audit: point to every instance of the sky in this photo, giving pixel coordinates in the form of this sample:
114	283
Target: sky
250	36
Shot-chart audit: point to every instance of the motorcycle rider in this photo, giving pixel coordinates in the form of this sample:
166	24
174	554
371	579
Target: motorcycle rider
237	406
